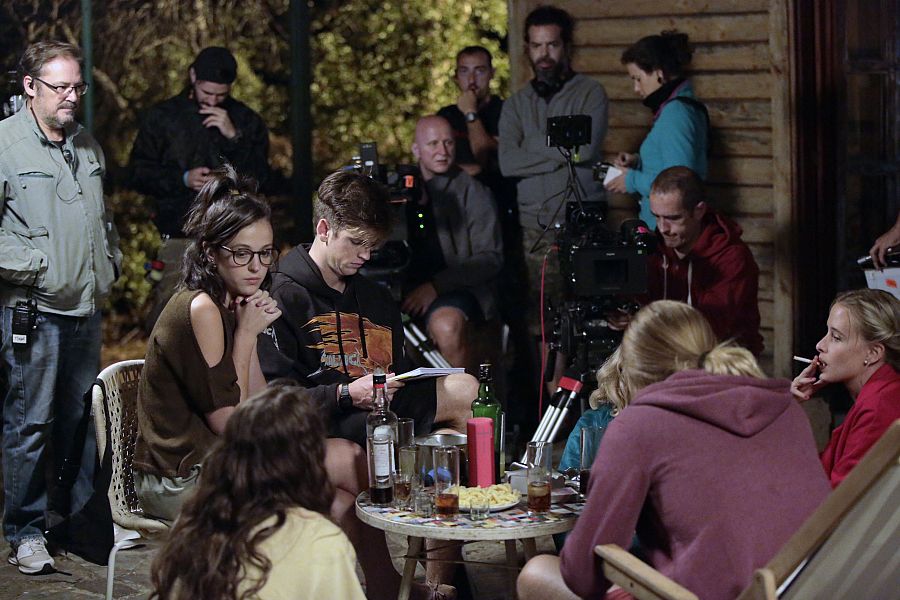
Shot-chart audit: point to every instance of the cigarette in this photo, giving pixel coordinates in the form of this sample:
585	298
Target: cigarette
803	360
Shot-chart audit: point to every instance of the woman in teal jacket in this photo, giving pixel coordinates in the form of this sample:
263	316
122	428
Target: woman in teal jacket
680	122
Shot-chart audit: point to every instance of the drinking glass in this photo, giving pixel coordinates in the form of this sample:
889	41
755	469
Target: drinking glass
446	481
405	432
539	460
423	502
404	477
479	509
590	442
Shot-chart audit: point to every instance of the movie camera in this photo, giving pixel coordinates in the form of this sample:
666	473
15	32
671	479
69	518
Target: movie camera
602	270
388	263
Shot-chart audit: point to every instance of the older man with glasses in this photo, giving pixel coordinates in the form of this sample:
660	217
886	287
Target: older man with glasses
58	259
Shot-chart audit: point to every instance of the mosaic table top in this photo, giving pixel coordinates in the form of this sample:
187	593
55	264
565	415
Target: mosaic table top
513	523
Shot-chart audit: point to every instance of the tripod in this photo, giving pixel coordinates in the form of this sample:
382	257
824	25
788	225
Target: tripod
569	389
423	345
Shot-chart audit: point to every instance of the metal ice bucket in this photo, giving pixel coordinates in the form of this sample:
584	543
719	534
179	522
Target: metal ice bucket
425	444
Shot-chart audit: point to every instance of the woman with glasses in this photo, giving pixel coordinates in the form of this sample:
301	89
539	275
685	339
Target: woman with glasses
201	358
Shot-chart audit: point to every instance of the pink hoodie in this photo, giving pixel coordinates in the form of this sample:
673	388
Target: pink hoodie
714	472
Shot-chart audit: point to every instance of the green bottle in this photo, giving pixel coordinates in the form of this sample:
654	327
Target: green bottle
486	405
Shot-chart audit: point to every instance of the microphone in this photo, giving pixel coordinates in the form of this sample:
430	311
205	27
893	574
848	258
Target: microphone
69	157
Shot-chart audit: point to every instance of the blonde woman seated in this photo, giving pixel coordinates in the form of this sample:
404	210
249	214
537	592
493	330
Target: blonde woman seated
860	350
257	525
711	463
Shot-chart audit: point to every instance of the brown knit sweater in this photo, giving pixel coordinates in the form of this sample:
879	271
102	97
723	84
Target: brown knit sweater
177	389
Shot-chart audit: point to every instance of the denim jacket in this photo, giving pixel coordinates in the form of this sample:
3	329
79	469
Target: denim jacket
55	232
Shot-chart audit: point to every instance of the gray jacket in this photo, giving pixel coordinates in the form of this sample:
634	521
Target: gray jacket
524	153
469	234
55	232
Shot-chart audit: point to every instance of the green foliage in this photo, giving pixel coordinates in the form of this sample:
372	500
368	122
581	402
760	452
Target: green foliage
402	57
377	65
139	243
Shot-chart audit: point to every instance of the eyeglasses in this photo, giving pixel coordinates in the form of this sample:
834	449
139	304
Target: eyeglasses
243	256
64	90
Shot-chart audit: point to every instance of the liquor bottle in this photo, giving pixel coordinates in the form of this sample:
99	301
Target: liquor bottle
486	405
381	434
382	421
380	455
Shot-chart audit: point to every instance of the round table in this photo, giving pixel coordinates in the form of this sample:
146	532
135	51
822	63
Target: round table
507	526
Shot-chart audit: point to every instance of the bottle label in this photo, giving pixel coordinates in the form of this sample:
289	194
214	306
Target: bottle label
384	430
382	459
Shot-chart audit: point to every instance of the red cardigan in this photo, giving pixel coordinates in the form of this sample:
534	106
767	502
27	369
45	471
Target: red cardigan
876	407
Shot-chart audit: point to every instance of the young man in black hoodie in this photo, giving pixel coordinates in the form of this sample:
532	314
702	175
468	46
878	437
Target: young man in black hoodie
338	326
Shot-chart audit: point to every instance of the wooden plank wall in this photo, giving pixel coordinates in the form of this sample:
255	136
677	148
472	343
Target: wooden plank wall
741	71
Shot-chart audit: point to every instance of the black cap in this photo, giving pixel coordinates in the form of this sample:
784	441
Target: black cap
215	64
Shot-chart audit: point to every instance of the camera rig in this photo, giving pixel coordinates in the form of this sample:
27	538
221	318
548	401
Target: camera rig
603	271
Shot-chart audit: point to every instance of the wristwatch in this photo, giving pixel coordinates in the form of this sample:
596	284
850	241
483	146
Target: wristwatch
345	400
471	117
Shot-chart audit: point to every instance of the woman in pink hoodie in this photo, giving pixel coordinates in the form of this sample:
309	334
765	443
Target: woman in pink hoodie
713	465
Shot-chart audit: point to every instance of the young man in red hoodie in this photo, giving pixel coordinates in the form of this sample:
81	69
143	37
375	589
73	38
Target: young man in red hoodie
702	259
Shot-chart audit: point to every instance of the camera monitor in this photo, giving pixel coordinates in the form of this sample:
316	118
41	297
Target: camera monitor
569	131
608	271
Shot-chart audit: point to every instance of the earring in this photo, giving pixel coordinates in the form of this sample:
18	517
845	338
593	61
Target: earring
866	362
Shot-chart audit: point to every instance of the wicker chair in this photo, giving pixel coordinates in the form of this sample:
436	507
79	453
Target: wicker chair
114	404
848	547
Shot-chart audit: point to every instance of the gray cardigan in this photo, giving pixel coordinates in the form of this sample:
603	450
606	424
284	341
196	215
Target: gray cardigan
469	234
524	153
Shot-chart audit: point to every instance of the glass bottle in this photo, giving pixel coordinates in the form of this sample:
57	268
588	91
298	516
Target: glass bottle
382	421
380	456
486	405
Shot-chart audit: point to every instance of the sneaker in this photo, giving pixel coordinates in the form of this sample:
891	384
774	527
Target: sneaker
31	557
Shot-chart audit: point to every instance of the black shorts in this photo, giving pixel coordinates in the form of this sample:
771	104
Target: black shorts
462	300
416	400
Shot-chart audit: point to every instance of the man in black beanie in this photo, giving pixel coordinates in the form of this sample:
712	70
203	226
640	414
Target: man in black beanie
179	142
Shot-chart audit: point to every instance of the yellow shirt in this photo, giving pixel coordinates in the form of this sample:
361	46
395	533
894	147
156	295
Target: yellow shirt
311	559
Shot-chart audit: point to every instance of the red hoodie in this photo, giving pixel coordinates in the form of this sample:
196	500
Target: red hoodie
875	408
723	278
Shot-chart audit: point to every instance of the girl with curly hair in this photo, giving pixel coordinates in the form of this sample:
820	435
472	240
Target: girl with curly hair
257	525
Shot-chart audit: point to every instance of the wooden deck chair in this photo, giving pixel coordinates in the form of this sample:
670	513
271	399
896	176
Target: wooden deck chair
848	548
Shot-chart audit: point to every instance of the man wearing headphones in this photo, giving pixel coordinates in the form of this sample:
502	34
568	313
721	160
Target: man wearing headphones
556	90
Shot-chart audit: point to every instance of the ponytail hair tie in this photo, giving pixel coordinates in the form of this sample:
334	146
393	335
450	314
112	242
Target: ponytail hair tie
702	360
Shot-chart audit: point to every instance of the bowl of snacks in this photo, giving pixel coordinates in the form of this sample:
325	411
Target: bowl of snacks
499	496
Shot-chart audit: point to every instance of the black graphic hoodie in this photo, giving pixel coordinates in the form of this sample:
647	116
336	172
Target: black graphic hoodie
325	337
